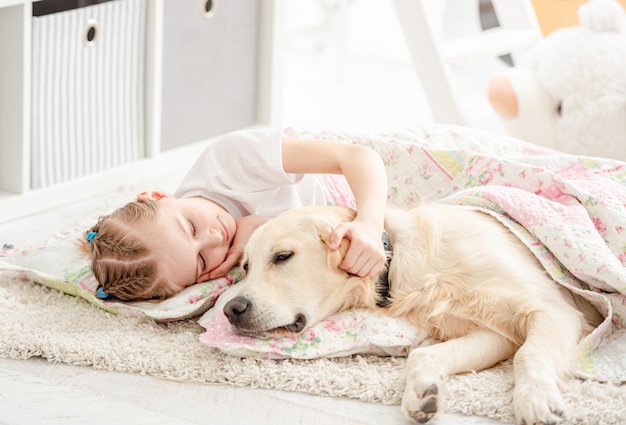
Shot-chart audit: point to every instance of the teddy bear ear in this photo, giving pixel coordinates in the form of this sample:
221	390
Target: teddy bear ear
603	16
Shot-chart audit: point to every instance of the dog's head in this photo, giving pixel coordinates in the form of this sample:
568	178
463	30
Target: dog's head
293	279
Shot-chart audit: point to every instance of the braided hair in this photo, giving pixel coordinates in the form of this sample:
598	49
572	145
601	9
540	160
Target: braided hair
121	260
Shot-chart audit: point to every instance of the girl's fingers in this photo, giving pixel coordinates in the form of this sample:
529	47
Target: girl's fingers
337	236
231	259
363	263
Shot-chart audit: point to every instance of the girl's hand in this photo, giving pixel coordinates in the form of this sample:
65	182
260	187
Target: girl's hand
245	226
366	255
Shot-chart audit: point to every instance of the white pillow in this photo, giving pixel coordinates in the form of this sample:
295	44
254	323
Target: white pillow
347	333
60	264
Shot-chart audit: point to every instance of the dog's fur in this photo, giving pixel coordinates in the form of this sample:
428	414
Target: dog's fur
456	273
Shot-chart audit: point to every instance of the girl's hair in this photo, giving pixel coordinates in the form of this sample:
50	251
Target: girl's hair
121	259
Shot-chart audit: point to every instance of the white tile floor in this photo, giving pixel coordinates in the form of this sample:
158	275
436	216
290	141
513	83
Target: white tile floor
35	392
375	88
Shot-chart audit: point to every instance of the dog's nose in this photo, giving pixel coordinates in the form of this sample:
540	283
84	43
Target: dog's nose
235	309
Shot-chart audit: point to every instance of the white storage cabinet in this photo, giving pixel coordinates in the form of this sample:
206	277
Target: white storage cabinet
92	95
87	88
209	68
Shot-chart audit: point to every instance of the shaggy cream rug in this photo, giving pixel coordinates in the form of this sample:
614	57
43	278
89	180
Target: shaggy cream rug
38	321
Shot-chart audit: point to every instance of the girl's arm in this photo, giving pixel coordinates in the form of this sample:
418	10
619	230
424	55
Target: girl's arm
365	172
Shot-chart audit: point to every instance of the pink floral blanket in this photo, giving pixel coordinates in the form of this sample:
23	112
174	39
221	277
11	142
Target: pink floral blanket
570	211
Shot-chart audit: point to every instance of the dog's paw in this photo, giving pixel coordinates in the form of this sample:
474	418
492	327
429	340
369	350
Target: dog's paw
537	403
422	400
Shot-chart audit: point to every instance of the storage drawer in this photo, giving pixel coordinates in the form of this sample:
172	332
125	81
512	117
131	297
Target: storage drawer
87	88
209	68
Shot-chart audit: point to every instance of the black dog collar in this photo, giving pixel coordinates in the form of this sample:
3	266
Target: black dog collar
382	284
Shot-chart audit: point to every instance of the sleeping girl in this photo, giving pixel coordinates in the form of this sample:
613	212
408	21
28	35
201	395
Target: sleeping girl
157	245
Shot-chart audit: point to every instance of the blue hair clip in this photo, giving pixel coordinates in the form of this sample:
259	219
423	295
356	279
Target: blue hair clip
101	294
91	235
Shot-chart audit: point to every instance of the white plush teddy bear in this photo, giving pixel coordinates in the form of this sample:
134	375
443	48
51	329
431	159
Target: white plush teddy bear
569	91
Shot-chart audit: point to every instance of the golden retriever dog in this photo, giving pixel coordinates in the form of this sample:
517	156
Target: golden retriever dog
454	272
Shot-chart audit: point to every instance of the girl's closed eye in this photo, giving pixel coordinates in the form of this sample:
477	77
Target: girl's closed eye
194	233
193	227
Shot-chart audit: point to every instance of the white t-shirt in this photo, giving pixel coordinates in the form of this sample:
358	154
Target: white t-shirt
243	172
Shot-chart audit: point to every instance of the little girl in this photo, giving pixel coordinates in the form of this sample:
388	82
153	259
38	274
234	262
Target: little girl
157	245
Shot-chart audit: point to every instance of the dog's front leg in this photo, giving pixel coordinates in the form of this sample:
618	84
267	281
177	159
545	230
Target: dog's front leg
543	359
427	367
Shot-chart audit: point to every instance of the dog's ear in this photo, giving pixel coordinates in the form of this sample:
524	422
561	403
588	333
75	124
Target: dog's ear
334	256
354	291
326	224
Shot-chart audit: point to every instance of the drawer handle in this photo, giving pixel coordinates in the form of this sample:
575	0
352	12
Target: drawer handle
90	35
207	7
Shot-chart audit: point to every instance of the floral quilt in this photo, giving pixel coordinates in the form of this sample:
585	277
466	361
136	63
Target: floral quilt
570	211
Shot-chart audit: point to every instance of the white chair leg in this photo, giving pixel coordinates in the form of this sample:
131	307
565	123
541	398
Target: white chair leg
425	55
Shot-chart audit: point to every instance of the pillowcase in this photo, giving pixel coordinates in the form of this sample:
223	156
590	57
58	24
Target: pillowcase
60	264
344	334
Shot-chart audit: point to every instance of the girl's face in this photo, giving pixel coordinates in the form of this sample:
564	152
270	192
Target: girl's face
192	237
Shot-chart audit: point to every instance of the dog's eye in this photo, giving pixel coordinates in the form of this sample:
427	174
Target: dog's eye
244	266
282	256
